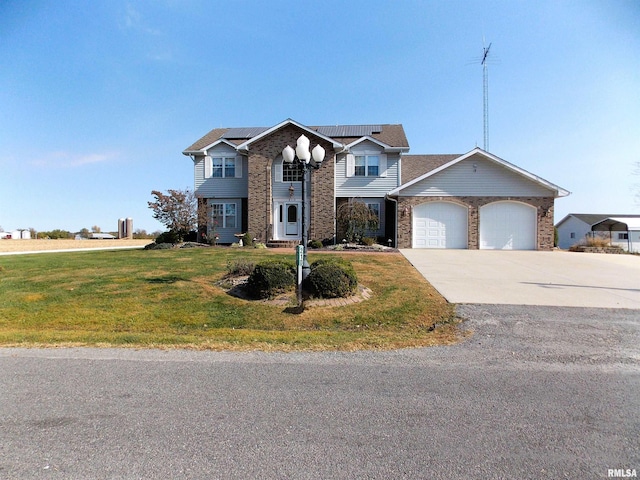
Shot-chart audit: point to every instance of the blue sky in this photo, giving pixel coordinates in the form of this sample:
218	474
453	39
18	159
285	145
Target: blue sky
99	98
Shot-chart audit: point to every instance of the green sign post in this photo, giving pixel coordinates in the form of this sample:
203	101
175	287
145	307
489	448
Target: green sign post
299	262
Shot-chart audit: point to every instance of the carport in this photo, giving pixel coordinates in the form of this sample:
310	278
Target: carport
624	232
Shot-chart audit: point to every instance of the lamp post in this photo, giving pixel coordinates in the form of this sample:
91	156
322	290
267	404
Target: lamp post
304	156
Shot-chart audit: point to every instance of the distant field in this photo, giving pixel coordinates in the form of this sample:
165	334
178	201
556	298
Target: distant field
37	245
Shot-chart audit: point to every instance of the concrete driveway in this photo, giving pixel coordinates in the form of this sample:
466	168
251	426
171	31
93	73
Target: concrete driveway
555	278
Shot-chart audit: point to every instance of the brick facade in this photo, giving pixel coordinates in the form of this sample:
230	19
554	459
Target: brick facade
262	153
544	207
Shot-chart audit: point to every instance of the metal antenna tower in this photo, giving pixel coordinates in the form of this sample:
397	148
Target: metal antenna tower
485	94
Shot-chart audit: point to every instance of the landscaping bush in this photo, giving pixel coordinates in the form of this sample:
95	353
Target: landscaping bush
332	278
247	240
168	237
240	268
270	278
159	246
368	241
315	244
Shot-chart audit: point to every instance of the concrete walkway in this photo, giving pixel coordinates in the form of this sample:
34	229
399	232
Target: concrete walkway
555	278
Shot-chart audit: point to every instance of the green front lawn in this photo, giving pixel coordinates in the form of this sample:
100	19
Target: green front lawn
169	298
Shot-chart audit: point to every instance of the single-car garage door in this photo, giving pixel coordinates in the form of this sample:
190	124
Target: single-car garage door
508	226
439	225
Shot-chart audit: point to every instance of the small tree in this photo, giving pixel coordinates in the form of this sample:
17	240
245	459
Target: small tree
177	210
355	218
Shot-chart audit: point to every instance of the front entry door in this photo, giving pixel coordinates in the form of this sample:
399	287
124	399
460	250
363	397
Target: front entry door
292	227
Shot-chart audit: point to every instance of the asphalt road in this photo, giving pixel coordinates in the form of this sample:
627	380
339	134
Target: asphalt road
534	393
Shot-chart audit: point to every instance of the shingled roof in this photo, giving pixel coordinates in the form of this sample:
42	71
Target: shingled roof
389	134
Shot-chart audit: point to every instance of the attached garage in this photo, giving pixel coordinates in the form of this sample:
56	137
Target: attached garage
508	225
440	225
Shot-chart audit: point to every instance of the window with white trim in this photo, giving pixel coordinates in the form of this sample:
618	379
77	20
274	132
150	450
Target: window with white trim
223	167
367	165
223	215
623	236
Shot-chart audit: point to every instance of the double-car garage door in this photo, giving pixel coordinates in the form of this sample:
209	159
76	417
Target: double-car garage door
504	225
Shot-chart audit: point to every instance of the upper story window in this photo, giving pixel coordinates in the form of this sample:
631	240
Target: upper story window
291	173
223	167
367	165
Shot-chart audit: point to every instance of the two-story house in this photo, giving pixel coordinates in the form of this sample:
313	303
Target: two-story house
475	200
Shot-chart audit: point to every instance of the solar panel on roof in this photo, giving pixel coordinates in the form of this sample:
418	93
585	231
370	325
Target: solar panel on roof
349	130
243	132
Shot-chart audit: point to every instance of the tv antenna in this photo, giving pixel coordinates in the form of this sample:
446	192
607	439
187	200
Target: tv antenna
485	94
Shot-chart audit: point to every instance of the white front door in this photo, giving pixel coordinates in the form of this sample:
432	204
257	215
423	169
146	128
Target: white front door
288	220
292	223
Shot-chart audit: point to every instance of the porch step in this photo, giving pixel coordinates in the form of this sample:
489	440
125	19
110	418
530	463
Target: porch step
282	243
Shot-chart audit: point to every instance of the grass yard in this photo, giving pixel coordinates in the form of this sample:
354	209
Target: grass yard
169	298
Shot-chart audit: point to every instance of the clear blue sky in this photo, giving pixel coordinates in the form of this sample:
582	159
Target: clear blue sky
99	98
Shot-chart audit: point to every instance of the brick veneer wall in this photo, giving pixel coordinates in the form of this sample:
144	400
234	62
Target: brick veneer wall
544	207
261	156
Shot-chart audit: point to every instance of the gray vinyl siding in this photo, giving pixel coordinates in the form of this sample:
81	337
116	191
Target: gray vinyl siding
366	186
476	176
280	189
220	187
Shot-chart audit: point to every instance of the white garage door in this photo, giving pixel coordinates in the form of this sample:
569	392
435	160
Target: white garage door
508	226
439	225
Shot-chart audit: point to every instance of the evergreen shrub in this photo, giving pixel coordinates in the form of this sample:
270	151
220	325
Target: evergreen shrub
332	278
270	278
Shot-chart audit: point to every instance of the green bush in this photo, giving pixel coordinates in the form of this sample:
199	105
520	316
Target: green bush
159	246
168	237
332	278
270	278
247	240
316	244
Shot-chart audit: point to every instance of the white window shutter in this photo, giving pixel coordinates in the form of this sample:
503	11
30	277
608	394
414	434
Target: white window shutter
383	165
351	165
208	166
278	170
239	166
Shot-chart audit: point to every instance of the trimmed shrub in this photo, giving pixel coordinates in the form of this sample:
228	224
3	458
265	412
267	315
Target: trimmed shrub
332	278
315	244
270	278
